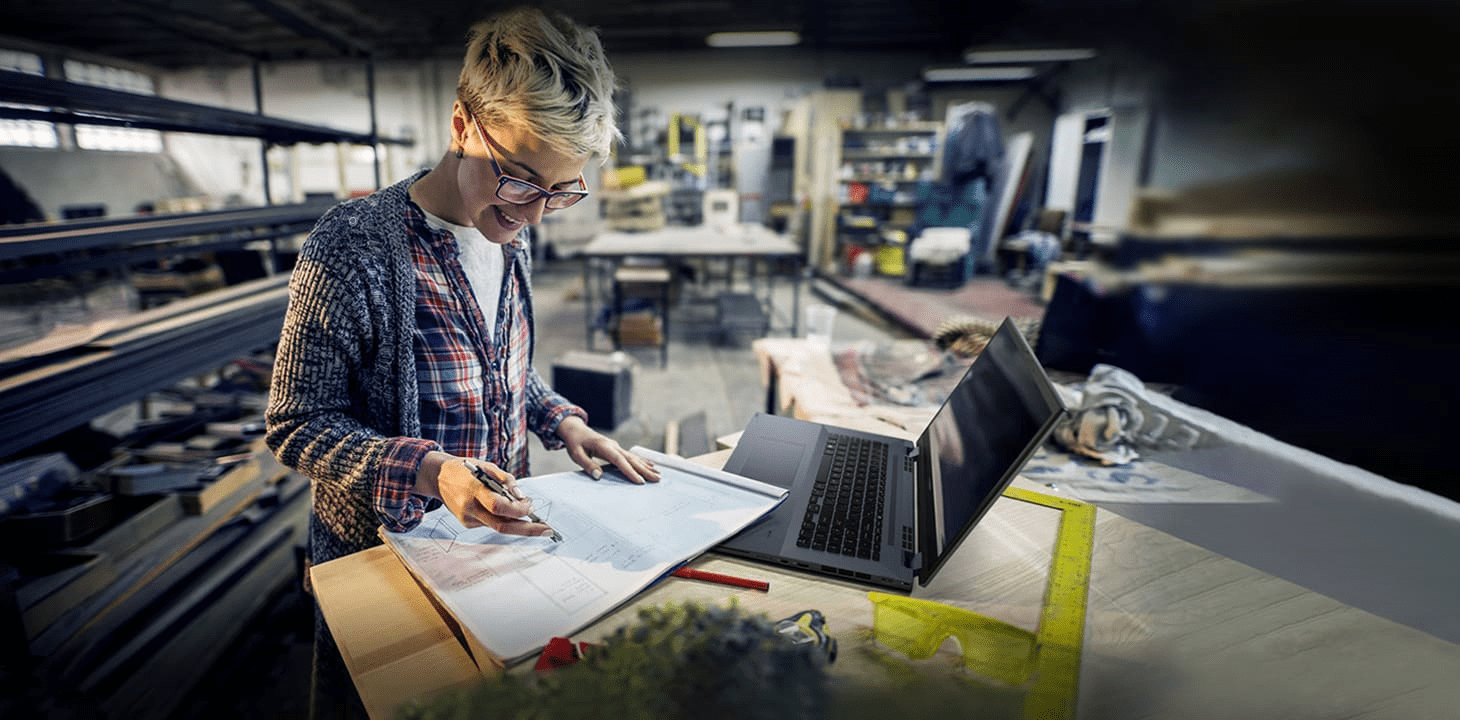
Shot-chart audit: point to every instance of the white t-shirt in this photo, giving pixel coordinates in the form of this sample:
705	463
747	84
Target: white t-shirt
481	260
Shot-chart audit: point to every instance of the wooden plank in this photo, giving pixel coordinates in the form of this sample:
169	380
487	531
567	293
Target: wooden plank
69	633
179	644
51	596
203	499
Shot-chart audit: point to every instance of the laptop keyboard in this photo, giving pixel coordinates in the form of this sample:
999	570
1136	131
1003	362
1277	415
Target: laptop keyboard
844	515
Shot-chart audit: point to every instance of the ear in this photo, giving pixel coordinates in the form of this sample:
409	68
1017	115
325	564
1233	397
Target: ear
459	124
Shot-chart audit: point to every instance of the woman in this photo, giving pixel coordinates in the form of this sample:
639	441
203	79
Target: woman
406	354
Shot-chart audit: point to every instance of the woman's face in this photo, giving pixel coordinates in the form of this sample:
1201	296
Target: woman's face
518	154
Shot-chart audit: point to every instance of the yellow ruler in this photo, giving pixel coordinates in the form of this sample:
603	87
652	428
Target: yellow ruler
1055	680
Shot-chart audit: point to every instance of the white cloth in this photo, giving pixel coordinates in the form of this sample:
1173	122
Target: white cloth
482	261
1115	417
940	245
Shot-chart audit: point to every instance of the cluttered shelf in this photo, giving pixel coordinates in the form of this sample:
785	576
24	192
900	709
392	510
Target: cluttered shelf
48	249
134	548
142	513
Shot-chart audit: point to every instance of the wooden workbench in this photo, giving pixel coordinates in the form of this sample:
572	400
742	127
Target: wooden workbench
1173	630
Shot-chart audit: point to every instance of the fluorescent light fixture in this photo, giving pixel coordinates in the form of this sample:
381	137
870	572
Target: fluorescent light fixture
995	57
753	39
977	74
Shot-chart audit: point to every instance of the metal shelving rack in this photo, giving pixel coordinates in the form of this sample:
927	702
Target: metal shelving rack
48	249
132	641
889	169
144	238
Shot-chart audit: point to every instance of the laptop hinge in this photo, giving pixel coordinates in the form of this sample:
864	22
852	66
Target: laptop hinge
912	560
912	451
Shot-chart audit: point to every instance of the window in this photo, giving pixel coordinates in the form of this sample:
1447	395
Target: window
16	61
25	133
107	137
108	77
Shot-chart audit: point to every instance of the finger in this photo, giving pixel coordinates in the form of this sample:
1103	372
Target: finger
647	468
507	525
513	491
521	527
625	464
502	517
643	466
580	456
508	482
504	507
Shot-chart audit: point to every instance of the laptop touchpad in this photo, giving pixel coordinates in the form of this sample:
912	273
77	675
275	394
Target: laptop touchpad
774	461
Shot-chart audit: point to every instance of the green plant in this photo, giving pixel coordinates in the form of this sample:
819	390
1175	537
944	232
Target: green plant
677	661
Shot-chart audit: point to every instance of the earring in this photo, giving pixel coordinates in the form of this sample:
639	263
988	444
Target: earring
460	153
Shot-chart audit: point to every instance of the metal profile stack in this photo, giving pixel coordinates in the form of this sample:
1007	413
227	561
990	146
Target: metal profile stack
47	249
55	384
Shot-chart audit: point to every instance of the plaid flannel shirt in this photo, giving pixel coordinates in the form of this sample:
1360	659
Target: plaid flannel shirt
479	395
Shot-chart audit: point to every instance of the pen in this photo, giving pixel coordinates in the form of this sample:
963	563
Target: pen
693	574
497	487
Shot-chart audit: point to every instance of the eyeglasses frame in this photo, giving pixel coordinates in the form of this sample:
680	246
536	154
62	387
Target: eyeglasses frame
503	179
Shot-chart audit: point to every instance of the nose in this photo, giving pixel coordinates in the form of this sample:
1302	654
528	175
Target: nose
533	211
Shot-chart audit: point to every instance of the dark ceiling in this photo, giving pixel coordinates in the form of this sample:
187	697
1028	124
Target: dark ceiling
172	34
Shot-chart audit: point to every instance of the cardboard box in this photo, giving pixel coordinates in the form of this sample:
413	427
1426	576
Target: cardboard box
403	648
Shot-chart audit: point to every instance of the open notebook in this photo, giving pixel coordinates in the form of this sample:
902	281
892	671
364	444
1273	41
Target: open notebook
511	594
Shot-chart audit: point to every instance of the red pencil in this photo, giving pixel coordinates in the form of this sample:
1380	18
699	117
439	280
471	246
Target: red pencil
693	574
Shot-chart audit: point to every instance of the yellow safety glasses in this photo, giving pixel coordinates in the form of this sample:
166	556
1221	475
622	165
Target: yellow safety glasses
916	628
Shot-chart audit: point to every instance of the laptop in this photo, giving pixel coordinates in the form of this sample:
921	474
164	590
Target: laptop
887	511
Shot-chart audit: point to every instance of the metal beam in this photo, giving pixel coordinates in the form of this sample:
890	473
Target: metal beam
74	103
46	239
306	25
374	128
168	19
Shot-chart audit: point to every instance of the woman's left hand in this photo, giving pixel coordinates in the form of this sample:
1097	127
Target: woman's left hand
585	444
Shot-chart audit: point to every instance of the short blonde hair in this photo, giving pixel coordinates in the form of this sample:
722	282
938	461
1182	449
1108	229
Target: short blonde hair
544	72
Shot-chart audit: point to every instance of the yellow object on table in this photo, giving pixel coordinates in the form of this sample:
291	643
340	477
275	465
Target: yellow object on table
890	260
630	175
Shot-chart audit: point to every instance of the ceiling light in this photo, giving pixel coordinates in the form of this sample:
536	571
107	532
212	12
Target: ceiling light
753	39
994	57
977	74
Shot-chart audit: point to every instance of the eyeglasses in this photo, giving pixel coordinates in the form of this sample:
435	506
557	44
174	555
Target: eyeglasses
916	628
521	192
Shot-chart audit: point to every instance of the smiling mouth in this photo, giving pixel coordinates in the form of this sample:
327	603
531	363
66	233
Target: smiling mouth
507	220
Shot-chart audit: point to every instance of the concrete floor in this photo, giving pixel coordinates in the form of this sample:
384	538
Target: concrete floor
720	378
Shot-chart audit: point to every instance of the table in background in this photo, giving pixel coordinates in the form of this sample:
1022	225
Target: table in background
676	246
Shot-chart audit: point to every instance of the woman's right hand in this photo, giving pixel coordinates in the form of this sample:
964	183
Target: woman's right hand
471	501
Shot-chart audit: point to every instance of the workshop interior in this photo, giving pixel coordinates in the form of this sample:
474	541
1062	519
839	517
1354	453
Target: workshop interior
1225	231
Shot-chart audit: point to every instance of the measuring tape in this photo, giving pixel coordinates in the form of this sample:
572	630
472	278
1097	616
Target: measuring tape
1056	663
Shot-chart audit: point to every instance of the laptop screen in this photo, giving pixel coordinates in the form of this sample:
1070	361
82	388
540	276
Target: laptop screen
989	426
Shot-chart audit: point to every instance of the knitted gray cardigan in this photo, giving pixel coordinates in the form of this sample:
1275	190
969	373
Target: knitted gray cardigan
344	397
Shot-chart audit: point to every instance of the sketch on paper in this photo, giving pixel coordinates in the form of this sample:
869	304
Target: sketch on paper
515	593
